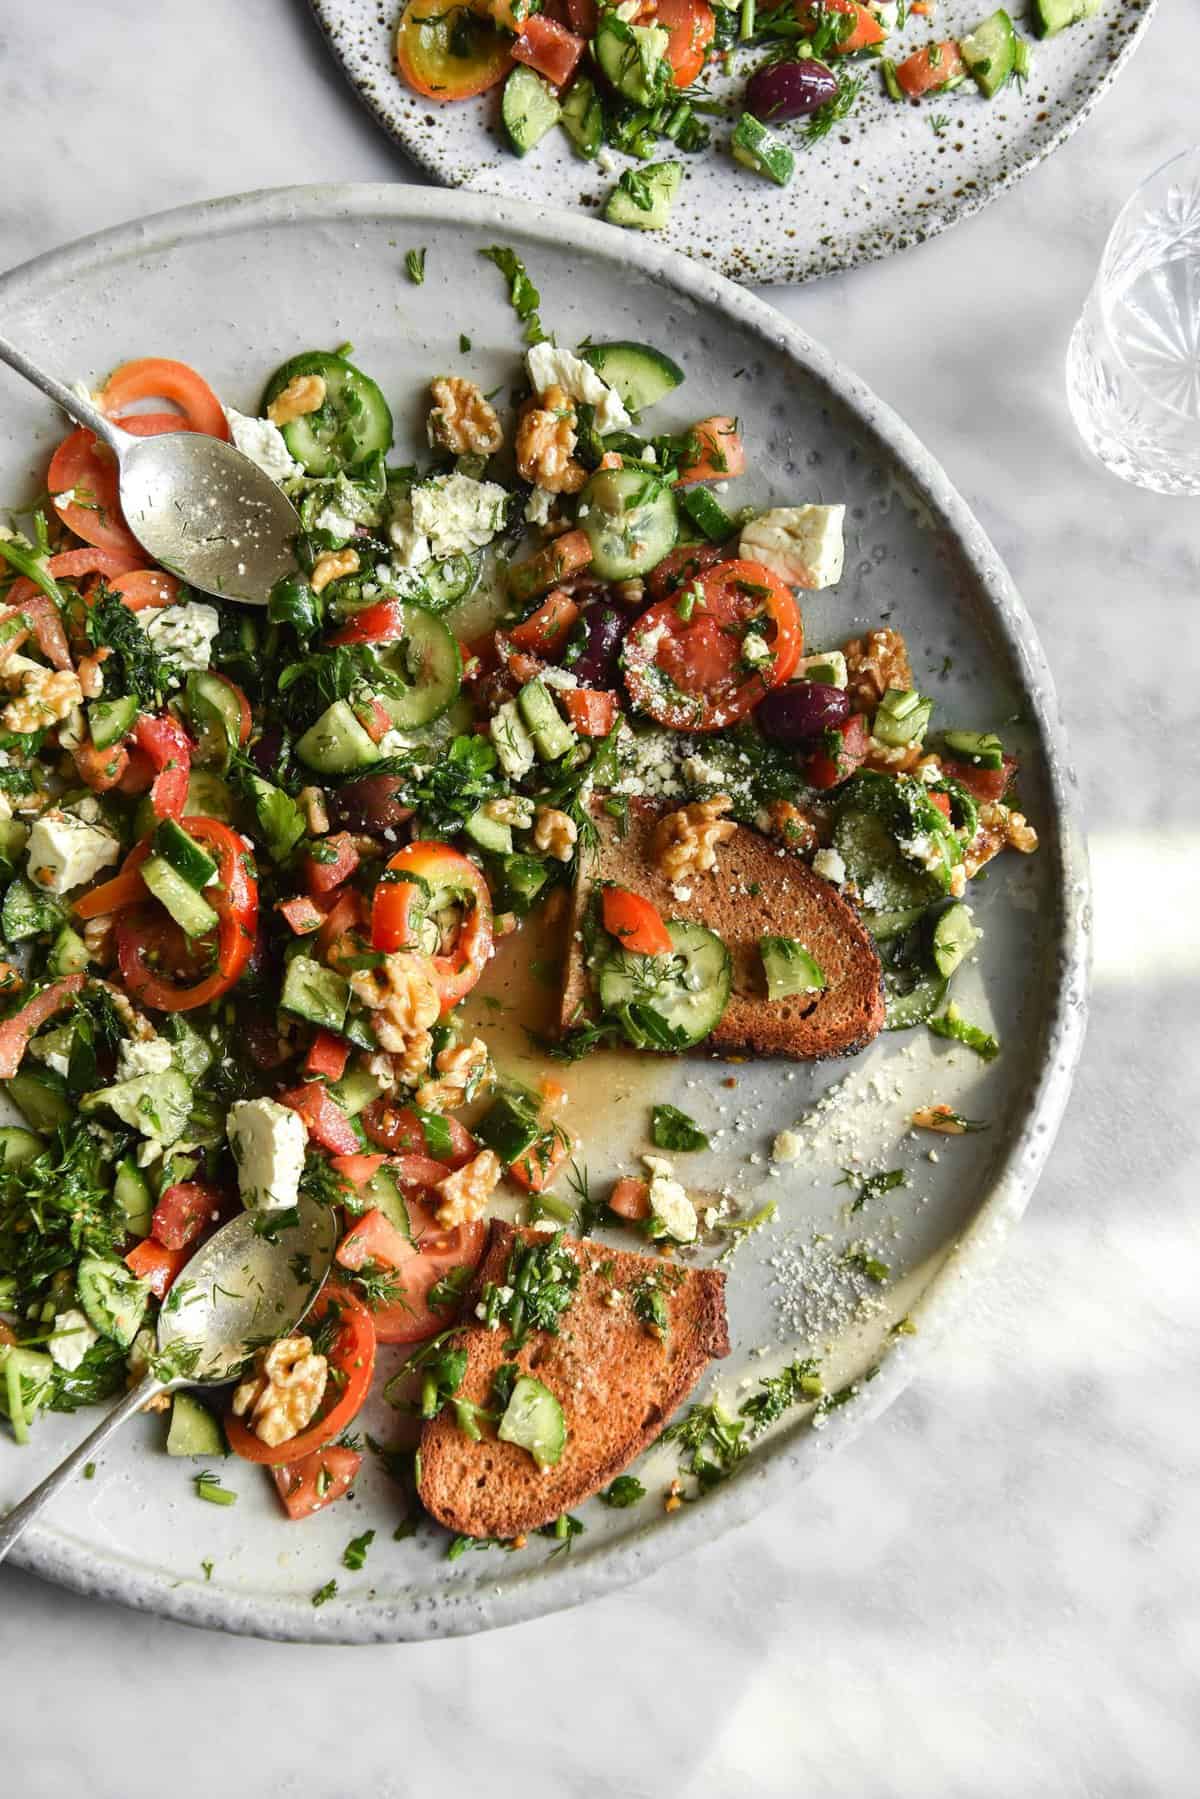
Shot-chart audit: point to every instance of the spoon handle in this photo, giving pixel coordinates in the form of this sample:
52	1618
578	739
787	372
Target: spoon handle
82	411
12	1526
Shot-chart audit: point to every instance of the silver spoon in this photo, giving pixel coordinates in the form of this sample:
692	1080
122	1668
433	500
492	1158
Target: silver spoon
237	1291
194	503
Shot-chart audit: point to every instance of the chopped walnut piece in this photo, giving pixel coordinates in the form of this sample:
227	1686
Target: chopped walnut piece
462	1070
331	565
546	443
999	828
791	826
873	664
45	696
466	1192
302	395
461	420
685	842
282	1395
555	833
403	995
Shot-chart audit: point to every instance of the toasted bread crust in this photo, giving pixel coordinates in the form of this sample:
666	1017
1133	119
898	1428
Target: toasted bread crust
757	889
616	1382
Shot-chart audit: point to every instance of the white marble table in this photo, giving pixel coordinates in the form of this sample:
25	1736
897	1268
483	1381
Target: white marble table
996	1591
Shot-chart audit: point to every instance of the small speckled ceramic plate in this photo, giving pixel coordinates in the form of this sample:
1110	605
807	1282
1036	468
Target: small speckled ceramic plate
880	182
236	286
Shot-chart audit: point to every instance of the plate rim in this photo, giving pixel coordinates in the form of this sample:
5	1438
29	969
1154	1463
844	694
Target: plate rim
854	249
796	1454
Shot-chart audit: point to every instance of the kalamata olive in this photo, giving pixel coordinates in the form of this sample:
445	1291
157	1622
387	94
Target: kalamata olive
801	711
264	751
372	804
601	630
790	90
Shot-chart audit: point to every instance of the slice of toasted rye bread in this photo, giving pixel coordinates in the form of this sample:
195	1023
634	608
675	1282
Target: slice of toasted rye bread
757	889
616	1382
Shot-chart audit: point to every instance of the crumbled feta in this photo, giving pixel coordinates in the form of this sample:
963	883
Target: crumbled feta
184	634
802	544
830	866
756	650
411	546
268	1143
787	1147
338	524
669	1201
263	442
832	663
64	851
558	677
458	514
73	1337
699	773
153	1056
551	367
539	506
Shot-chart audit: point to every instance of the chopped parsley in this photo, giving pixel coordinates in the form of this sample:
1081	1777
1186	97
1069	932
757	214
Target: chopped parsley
672	1129
325	1593
414	268
796	1384
541	1280
626	1490
354	1555
872	1187
521	291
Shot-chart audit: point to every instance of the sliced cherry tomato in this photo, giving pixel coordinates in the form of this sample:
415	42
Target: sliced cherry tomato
374	1238
316	1481
591	710
351	1365
865	31
927	71
139	775
302	914
941	801
693	675
690	26
545	631
182	1213
70	565
157	1266
630	1199
400	1132
551	49
327	1056
404	913
16	1031
419	1265
335	863
144	589
327	1124
983	783
844	749
634	922
158	378
142	933
450	53
85	468
169	748
718	452
679	568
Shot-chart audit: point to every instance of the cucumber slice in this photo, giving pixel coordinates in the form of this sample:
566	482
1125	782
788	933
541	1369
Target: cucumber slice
911	995
552	735
511	1125
131	1190
157	1105
27	912
668	1002
355	1091
631	522
13	837
954	937
642	199
191	1051
633	59
428	656
40	1096
983	749
533	1419
184	854
446	583
68	954
990	52
528	109
707	514
18	1146
353	421
1052	16
383	1193
194	1430
789	968
759	149
113	1298
883	926
489	833
901	717
216	717
28	1379
337	743
192	914
319	994
582	117
111	720
873	862
639	374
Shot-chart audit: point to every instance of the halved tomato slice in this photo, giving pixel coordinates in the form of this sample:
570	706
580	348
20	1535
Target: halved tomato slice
449	52
415	1267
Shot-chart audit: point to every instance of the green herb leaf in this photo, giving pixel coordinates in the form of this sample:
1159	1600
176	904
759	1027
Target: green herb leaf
414	264
672	1129
625	1490
328	1591
521	291
354	1555
952	1024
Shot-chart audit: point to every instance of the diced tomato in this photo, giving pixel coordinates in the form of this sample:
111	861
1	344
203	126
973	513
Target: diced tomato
630	1199
374	717
941	801
325	1475
16	1031
566	556
539	1167
400	1132
591	710
374	1238
690	26
169	748
549	48
139	773
327	1056
718	452
380	623
101	770
927	71
357	1169
351	1362
302	914
522	665
418	1266
837	761
865	31
157	1266
443	879
983	783
158	378
327	1124
634	922
182	1213
347	913
682	566
547	629
336	862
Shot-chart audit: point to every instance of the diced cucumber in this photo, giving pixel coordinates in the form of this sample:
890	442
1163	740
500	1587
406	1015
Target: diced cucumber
429	659
208	796
27	912
522	882
789	968
352	422
630	519
18	1146
707	513
156	1105
113	1298
883	926
911	996
582	116
14	835
642	199
489	833
68	954
759	149
216	716
41	1097
990	52
552	736
314	992
28	1378
511	1125
109	721
1052	16
355	1091
954	937
667	1002
185	855
902	717
982	749
633	58
533	1419
131	1190
193	915
639	374
528	109
383	1193
191	1051
337	743
194	1430
1022	59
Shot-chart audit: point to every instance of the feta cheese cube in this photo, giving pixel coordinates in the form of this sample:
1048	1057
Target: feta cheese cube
153	1056
830	866
184	634
669	1201
63	851
338	524
801	544
263	442
411	546
73	1337
457	514
539	506
268	1143
549	366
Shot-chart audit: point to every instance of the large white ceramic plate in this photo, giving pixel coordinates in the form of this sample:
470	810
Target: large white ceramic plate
879	182
236	286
